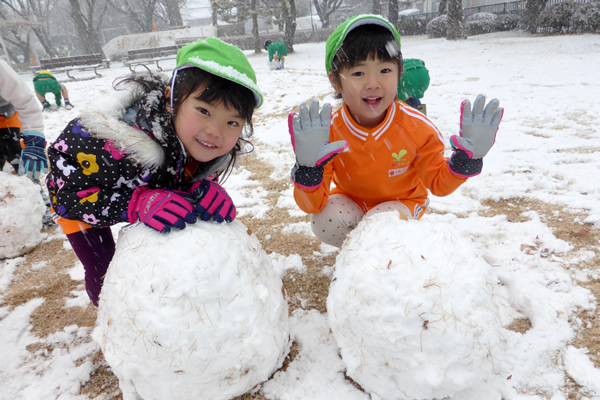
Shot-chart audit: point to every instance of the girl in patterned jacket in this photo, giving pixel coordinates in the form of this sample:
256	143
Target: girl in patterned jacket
378	153
153	152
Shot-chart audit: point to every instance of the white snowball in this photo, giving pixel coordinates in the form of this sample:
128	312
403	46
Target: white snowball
195	313
411	307
21	212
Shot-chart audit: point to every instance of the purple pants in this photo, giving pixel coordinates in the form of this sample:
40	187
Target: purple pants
95	249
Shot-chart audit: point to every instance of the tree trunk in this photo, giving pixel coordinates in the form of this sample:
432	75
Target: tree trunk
325	9
90	40
455	30
393	13
533	8
16	42
173	13
44	39
376	7
27	49
442	7
140	13
289	17
215	12
257	45
28	11
147	13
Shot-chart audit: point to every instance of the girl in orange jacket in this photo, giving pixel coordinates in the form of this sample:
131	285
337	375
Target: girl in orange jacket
378	153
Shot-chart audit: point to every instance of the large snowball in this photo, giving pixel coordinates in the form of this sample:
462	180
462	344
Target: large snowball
411	307
196	313
21	212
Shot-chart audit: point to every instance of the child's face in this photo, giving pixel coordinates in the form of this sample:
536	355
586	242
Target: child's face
368	89
207	130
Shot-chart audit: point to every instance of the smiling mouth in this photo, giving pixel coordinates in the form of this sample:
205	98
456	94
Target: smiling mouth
372	101
212	146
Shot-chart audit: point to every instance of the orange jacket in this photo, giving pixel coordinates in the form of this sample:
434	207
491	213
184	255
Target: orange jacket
396	161
12	122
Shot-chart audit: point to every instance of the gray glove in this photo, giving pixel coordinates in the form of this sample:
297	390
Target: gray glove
478	127
309	131
477	135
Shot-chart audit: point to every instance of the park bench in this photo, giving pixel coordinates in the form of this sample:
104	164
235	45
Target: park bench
74	63
153	55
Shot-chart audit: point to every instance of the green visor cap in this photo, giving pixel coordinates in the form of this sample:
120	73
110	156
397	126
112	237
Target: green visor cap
337	37
220	59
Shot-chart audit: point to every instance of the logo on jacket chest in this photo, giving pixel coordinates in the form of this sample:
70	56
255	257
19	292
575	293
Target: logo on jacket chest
399	163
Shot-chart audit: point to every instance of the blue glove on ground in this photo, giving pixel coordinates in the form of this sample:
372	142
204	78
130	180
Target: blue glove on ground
309	131
33	156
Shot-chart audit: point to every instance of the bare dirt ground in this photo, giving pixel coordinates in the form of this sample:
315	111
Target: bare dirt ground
55	285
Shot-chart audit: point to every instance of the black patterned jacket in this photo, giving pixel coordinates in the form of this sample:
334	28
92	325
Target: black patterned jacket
101	157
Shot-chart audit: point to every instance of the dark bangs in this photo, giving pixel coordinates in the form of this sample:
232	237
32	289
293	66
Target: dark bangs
367	42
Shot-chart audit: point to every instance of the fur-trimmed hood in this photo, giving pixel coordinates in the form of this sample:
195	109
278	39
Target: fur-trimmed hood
104	120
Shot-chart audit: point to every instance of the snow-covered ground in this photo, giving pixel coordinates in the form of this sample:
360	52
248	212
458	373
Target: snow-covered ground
547	149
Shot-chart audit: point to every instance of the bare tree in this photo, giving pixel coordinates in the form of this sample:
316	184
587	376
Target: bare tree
325	9
33	11
242	10
140	12
455	30
228	10
170	11
272	10
442	7
215	12
19	36
533	8
254	13
87	20
289	18
376	9
393	12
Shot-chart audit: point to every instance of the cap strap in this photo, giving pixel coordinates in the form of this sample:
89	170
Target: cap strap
173	82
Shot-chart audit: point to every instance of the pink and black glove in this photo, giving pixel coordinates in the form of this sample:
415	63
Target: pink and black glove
212	201
160	209
477	135
309	131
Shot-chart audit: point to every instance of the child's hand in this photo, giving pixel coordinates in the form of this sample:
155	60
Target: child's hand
160	209
478	127
309	131
477	135
33	157
212	201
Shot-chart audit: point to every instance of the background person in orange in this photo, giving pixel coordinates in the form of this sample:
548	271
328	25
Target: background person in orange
22	141
379	153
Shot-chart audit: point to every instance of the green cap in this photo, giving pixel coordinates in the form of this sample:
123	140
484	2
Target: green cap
220	59
337	37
